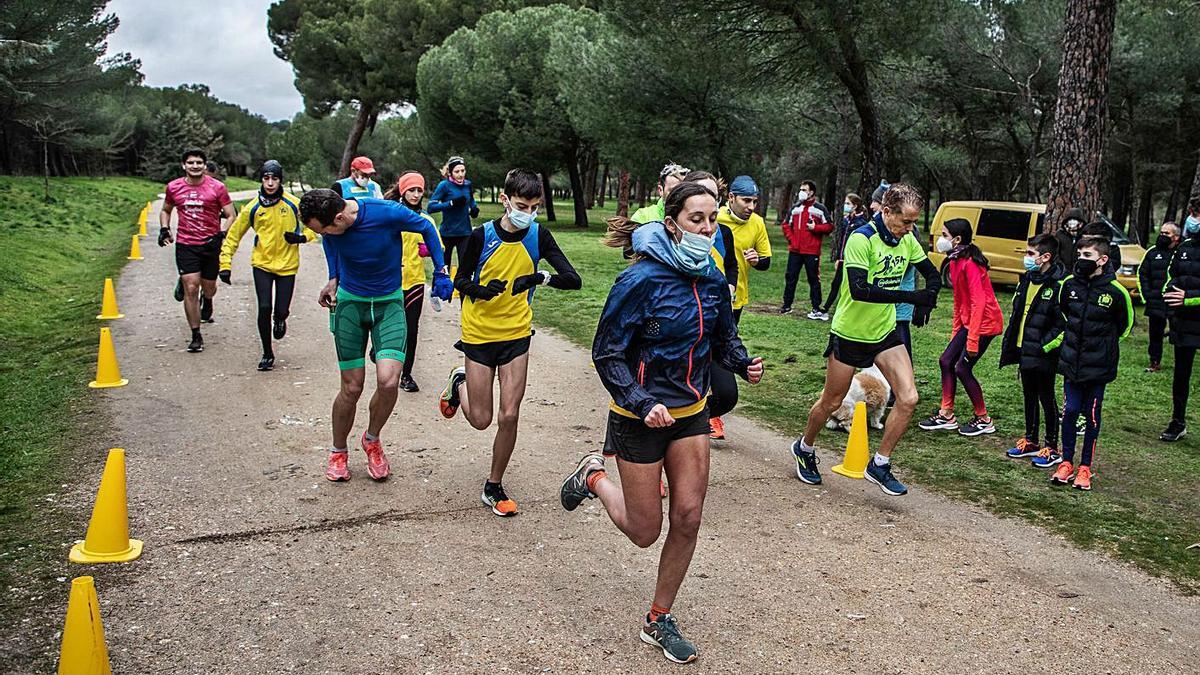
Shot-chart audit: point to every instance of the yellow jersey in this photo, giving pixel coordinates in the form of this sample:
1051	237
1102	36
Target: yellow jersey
748	234
271	253
413	270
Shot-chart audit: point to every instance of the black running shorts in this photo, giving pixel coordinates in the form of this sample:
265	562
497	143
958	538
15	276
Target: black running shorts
494	354
861	354
631	440
202	258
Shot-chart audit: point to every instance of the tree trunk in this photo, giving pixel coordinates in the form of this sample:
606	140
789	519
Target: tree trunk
361	120
623	194
579	193
641	194
831	186
1145	210
1077	145
548	193
46	168
603	188
590	178
1195	193
785	201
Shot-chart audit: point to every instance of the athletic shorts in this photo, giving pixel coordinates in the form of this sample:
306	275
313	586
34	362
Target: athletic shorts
861	354
202	258
631	440
494	354
356	319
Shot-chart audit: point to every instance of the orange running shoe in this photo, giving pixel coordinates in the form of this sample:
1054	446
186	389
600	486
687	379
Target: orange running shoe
662	487
377	463
718	428
335	468
1083	478
1063	475
495	497
448	402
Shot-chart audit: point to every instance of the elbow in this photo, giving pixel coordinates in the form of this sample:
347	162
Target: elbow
570	282
763	264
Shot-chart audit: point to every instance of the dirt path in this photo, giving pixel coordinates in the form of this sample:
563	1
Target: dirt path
255	564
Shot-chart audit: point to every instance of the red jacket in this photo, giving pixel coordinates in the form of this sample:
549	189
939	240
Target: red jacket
975	306
800	238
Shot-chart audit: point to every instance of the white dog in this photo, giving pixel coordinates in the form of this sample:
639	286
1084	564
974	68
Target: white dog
870	387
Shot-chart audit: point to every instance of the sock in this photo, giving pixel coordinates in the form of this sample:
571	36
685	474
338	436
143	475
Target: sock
880	460
489	486
593	478
369	436
337	450
656	612
195	333
805	446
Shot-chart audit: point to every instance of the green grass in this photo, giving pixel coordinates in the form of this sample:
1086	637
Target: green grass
1143	508
237	184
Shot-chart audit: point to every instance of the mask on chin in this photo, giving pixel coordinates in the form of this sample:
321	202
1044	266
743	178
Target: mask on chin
693	252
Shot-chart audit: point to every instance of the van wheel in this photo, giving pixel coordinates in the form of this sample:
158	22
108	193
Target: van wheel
946	274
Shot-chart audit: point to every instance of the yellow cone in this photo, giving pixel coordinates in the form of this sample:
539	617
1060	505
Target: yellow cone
142	224
108	371
135	251
83	650
108	532
857	450
108	306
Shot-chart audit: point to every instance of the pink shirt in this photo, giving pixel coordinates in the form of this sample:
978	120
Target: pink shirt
199	208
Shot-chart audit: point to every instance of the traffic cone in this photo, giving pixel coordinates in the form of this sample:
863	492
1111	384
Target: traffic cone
135	251
108	531
108	306
83	650
142	220
854	464
108	371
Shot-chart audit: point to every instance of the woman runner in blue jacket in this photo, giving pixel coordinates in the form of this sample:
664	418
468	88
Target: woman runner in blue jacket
454	198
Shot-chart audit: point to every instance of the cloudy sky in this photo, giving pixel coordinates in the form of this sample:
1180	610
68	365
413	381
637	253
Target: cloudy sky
221	43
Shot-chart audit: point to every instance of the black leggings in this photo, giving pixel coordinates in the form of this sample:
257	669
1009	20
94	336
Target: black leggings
414	300
284	286
1158	328
722	384
1037	386
1181	384
452	244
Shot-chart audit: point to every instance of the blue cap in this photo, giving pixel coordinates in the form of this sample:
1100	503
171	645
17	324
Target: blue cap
743	186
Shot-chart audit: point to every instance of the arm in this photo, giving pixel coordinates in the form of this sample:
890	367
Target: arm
331	258
472	207
976	292
1123	310
1056	331
762	245
619	322
825	227
464	280
566	279
226	208
731	255
234	237
727	347
405	219
1143	276
437	200
857	263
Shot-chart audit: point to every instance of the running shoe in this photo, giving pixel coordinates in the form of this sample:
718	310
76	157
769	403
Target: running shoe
1083	478
279	329
1175	431
718	429
494	496
196	345
1153	368
335	468
408	384
938	421
575	488
806	464
448	403
1025	448
1063	475
1047	457
377	463
267	363
206	308
978	426
882	476
178	293
786	309
822	315
665	635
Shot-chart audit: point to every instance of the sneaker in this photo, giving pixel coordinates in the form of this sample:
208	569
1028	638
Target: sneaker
1063	475
279	329
493	495
408	384
1025	448
822	315
206	308
267	363
718	429
1047	457
448	403
882	476
178	293
377	463
1153	368
786	309
1175	431
938	421
978	426
1083	478
665	635
806	464
575	489
196	345
335	468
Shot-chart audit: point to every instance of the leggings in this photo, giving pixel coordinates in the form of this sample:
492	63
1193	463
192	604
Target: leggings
958	367
833	291
1181	383
452	244
722	384
1085	398
284	285
1037	386
1158	328
414	300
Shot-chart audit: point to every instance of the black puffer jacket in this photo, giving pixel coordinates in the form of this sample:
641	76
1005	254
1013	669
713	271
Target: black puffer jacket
1152	274
1184	273
1041	324
1097	314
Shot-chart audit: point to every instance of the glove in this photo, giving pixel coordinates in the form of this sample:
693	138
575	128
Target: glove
494	287
443	288
522	284
921	316
224	274
422	250
164	236
294	237
924	298
474	211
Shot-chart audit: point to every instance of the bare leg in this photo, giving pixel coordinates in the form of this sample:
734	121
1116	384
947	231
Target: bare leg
513	376
475	395
387	387
897	370
838	377
191	298
209	286
687	469
634	506
345	403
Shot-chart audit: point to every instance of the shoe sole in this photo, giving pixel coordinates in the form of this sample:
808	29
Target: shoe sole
563	488
1062	483
798	474
483	498
337	479
1050	465
1022	455
1164	439
940	427
868	476
654	643
1083	489
196	350
977	432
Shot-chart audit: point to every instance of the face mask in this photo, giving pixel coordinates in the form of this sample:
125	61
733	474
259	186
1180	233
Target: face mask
944	245
803	196
1191	225
693	252
1031	263
521	220
361	181
846	209
1164	241
1073	225
1085	268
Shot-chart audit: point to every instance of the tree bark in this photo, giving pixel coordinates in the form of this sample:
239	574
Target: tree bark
623	194
603	188
548	193
1195	194
579	193
784	202
1077	147
640	190
1145	210
361	120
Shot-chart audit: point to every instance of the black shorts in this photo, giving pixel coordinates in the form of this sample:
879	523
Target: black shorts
494	354
861	354
202	258
631	440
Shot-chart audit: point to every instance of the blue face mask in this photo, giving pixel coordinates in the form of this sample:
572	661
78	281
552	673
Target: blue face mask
521	220
693	253
1031	264
1191	225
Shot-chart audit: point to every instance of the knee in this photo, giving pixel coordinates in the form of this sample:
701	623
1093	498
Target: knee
264	311
962	369
508	417
480	420
646	536
685	520
389	386
907	399
352	390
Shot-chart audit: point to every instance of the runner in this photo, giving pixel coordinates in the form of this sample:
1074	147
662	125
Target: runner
364	255
864	329
409	190
668	178
454	198
667	317
497	278
275	219
202	201
359	183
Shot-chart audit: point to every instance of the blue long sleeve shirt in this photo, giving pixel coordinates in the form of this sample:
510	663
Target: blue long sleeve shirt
456	220
367	258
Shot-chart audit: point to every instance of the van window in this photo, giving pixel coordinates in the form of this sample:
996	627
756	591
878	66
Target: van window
1041	224
1003	224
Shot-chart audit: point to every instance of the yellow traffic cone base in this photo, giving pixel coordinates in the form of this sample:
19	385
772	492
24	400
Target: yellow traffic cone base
83	651
135	251
108	372
108	531
108	306
80	554
858	451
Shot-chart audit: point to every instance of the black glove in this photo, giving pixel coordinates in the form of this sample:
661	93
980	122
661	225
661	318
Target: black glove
458	201
224	275
294	237
164	235
474	211
921	316
494	287
522	284
925	298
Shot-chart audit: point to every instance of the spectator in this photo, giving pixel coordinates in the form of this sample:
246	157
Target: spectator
1181	293
854	216
1068	235
804	228
1152	275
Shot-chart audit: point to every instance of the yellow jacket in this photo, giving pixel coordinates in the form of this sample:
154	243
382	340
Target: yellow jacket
750	233
271	252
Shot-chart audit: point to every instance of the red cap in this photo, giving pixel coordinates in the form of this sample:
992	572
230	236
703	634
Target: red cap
363	164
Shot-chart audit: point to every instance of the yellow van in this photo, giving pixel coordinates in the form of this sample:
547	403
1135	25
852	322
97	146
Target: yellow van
1001	230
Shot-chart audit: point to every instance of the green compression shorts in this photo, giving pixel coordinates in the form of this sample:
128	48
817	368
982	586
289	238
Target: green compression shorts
356	318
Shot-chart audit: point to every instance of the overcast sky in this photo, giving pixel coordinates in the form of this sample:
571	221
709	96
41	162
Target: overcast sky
221	43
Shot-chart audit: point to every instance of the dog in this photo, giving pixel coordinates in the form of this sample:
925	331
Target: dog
870	387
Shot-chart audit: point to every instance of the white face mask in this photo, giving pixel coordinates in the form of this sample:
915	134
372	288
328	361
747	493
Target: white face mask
944	245
803	196
361	181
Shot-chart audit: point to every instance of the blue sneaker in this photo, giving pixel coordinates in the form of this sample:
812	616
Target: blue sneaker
1025	448
806	464
882	476
665	635
1047	457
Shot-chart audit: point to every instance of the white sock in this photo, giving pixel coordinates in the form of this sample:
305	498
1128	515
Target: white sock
367	435
805	446
337	449
880	460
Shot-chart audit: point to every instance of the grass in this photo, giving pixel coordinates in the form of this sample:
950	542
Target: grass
1143	508
238	184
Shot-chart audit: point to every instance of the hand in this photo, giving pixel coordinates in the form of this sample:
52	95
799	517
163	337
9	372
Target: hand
522	284
422	250
492	289
164	236
972	356
754	371
1174	297
224	275
659	417
443	288
751	256
921	316
925	298
294	237
328	295
474	211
